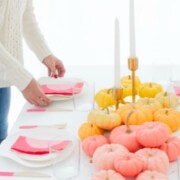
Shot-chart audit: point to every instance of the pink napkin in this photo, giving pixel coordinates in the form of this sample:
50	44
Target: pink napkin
33	146
63	89
177	90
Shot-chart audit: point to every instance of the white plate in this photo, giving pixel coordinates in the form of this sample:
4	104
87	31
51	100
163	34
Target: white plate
56	97
41	133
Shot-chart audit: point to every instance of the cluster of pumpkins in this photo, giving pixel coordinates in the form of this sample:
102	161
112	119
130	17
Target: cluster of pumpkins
134	141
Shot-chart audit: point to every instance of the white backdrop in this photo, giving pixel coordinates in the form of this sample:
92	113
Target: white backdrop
81	32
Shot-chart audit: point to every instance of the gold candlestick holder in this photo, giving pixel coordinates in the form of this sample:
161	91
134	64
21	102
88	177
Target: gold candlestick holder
118	96
133	66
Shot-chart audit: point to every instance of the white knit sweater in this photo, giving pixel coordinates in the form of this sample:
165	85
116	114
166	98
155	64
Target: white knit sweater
17	19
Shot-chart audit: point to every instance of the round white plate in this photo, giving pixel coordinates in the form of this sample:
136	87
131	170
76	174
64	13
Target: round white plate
38	161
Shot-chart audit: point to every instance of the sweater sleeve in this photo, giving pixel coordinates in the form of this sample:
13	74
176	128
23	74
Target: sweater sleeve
32	34
12	71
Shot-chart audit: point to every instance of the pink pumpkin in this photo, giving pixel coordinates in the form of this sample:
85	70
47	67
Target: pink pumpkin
91	143
152	134
172	148
151	175
103	157
128	164
154	159
126	136
107	174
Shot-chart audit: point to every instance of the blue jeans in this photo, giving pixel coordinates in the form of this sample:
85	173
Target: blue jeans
5	95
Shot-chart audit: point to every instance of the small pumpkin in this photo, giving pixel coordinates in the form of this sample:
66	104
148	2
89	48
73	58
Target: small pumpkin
154	159
167	99
103	157
169	116
151	175
107	174
89	129
128	164
139	115
152	134
149	103
91	143
104	98
149	89
172	148
127	81
105	119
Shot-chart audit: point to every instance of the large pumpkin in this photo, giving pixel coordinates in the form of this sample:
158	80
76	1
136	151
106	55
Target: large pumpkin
139	115
149	89
154	159
104	98
91	143
89	129
105	119
149	103
169	116
172	148
152	134
151	175
129	164
103	157
107	175
167	99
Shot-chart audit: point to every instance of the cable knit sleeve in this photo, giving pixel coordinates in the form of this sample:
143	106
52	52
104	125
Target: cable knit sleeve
12	71
32	33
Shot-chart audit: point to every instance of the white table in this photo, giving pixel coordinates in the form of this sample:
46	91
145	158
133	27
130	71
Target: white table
103	77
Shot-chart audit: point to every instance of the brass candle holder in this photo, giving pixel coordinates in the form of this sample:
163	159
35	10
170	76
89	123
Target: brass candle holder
133	66
118	96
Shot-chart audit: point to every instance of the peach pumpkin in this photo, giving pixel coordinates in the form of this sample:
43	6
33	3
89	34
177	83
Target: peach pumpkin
139	115
91	143
107	175
169	116
103	157
128	164
152	134
89	129
151	175
172	148
154	159
104	119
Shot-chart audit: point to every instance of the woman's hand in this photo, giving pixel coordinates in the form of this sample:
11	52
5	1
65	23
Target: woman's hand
34	95
55	66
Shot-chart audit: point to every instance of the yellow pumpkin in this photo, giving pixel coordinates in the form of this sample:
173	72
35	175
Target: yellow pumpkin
127	81
167	99
104	98
149	89
139	114
105	119
149	103
89	129
169	116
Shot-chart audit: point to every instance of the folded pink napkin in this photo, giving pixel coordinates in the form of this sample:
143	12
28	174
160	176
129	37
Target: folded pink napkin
177	90
33	146
63	89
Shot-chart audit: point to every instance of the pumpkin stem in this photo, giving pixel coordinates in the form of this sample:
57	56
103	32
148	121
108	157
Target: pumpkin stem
166	111
129	77
150	84
165	93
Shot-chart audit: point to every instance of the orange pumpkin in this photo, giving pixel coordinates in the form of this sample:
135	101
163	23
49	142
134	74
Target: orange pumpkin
103	157
107	174
168	100
89	129
149	89
152	134
151	175
172	148
128	164
139	115
91	143
169	116
149	103
105	119
154	159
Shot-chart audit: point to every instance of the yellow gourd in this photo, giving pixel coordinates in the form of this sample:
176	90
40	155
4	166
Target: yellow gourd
127	81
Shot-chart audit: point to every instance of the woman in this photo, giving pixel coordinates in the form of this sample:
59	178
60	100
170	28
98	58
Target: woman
17	20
